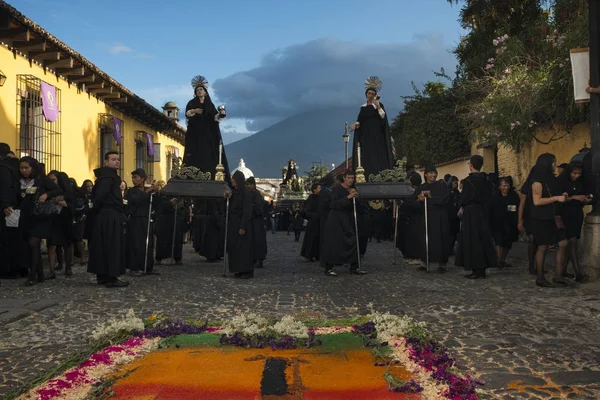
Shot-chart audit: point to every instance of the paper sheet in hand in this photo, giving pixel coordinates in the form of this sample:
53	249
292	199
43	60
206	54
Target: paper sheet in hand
12	221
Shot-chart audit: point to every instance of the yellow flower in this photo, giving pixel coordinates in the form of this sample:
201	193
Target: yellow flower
152	317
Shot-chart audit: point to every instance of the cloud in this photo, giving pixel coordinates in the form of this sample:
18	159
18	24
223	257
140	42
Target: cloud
329	73
119	48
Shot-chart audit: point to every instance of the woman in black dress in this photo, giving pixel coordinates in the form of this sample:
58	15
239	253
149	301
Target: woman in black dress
61	225
505	218
372	131
203	134
310	244
34	187
546	228
239	234
570	182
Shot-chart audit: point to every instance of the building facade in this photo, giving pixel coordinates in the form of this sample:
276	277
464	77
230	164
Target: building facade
59	108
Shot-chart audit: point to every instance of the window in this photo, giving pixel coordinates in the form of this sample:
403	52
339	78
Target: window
108	126
38	138
142	158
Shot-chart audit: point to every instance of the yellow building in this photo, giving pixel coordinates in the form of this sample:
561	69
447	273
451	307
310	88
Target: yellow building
96	114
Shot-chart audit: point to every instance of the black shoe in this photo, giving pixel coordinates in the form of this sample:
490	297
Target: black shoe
559	281
259	264
58	267
582	279
237	275
178	262
476	276
442	270
422	268
544	283
100	281
357	272
568	275
28	283
247	275
117	284
152	273
68	271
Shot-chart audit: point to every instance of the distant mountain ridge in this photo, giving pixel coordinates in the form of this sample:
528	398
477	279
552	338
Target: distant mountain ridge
309	137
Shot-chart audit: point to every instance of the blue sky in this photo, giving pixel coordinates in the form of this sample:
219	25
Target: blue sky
291	51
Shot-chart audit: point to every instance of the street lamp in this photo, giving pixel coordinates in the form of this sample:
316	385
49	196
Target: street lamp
594	21
2	78
346	137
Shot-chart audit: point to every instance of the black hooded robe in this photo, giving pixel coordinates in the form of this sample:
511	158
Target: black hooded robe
202	139
414	226
504	218
339	243
106	244
138	205
239	247
259	233
10	187
166	220
476	244
310	243
323	209
214	239
373	134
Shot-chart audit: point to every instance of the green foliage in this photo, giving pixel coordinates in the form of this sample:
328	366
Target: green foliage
316	173
515	72
430	125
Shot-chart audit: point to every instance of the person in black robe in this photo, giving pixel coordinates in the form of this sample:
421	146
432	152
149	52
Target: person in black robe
437	194
476	250
310	243
504	219
199	225
372	131
453	207
570	181
365	229
239	232
138	213
410	243
170	220
203	135
296	221
106	244
257	225
323	209
214	239
10	266
339	244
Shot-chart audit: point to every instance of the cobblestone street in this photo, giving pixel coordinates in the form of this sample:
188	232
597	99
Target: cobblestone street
523	341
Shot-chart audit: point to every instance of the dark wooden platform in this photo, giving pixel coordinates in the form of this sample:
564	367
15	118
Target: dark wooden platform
193	188
384	190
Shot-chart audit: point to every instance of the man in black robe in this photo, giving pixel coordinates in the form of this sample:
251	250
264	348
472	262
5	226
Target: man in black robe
372	131
239	232
138	232
9	199
310	243
106	258
438	226
212	246
339	244
259	233
323	209
170	221
476	250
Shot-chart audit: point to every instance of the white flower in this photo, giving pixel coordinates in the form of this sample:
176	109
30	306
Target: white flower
389	325
495	42
249	324
290	327
129	323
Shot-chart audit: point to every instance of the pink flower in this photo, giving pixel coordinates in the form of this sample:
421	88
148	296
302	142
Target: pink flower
495	42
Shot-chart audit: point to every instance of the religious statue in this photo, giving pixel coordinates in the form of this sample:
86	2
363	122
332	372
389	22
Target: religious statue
372	132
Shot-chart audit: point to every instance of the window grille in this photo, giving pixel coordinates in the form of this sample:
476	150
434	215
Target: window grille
142	159
38	138
106	131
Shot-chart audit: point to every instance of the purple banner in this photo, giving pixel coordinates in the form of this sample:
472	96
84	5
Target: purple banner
49	105
150	143
176	152
117	130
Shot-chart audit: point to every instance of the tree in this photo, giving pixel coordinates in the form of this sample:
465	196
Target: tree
316	173
428	130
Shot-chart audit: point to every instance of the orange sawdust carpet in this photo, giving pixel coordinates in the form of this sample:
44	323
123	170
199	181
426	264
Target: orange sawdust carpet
231	373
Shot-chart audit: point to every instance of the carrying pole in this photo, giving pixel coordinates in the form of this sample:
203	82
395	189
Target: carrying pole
225	256
356	229
426	237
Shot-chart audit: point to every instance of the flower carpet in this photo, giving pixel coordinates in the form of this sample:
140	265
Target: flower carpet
379	357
